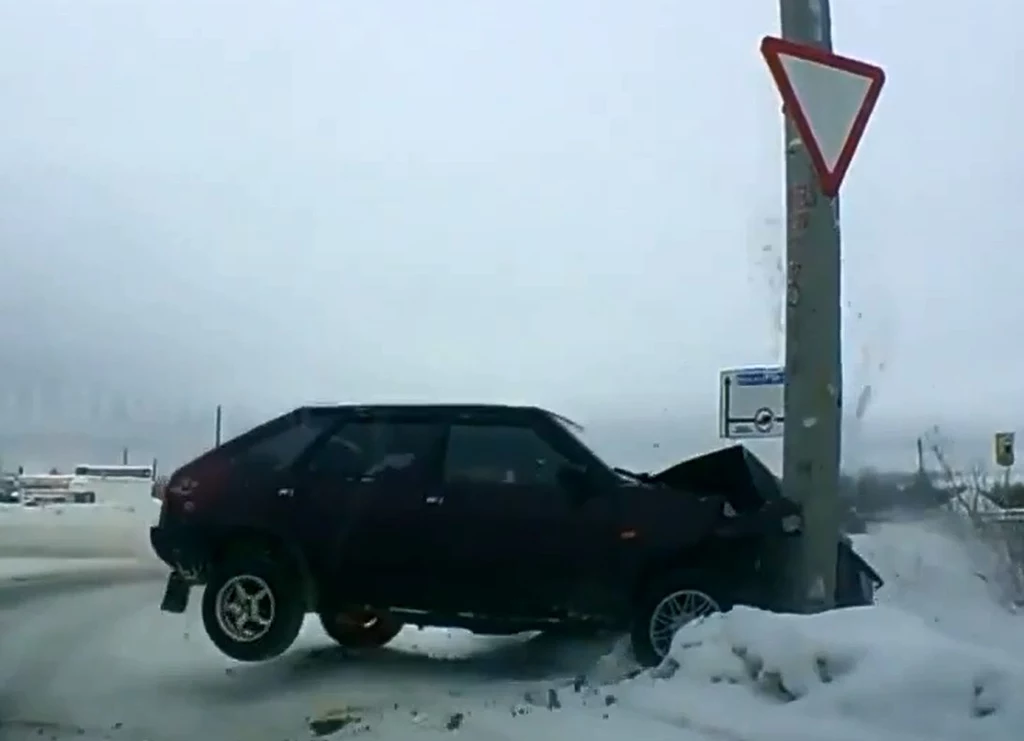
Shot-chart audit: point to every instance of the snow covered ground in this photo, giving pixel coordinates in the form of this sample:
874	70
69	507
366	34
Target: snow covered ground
875	672
25	569
938	658
76	530
940	573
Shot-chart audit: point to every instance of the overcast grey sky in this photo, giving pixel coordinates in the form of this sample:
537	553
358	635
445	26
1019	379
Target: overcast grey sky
561	202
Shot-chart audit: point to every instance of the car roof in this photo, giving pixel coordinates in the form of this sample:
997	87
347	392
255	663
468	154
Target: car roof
433	408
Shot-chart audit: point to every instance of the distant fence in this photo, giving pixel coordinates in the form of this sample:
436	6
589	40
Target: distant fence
1013	515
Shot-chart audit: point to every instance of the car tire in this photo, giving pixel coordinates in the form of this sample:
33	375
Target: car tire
252	608
360	628
684	594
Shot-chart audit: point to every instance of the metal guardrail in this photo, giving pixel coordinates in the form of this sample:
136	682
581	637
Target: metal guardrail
1002	515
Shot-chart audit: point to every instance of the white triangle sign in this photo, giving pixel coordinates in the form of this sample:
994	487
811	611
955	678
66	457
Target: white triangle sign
830	99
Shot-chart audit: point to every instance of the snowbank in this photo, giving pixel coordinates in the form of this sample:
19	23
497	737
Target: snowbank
941	657
873	672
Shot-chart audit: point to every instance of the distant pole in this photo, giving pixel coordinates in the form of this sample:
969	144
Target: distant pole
216	435
814	381
124	456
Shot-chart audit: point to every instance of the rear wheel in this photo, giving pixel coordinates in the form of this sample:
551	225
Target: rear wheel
252	608
667	606
360	628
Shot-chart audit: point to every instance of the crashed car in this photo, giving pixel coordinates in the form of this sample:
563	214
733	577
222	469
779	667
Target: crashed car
498	519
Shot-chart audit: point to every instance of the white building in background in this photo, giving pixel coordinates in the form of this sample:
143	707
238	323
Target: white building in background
43	488
123	486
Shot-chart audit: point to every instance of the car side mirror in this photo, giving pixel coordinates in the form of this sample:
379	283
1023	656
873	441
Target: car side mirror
576	481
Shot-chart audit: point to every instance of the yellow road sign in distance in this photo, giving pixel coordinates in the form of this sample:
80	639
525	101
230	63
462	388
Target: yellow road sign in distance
1004	449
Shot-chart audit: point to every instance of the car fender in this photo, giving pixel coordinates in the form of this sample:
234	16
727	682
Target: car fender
859	562
734	561
227	541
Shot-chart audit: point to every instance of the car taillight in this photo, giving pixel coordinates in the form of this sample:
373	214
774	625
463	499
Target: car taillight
159	488
194	483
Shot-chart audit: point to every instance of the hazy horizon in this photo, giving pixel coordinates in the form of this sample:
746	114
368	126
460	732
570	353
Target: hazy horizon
575	205
642	441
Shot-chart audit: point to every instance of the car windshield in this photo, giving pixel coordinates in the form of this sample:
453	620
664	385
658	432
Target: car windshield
574	428
578	431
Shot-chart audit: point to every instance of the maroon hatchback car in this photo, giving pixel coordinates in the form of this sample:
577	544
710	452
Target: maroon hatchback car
494	518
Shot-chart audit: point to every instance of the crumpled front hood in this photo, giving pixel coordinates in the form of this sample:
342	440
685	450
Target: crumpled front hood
733	472
738	475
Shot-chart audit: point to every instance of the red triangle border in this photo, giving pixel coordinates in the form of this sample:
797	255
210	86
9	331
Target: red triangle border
772	49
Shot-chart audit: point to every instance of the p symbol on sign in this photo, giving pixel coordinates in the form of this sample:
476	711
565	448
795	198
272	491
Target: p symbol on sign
764	419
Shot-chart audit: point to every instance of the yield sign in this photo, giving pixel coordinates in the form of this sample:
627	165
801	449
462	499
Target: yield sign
830	99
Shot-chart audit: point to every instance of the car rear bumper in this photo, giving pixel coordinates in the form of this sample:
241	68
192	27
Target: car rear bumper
181	549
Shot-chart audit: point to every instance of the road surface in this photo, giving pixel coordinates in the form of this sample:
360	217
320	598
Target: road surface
90	656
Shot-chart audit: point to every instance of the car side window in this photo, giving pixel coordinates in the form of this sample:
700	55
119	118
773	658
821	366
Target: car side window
279	449
500	454
371	448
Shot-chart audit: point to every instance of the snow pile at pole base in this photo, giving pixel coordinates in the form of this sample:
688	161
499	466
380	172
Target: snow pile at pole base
871	672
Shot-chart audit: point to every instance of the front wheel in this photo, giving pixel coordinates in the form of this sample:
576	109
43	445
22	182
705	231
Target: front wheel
360	628
667	606
252	609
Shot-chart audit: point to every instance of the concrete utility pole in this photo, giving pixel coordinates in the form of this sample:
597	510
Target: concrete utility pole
217	425
814	377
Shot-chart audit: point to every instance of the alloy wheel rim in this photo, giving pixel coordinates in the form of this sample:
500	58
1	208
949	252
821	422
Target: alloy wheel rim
245	608
675	611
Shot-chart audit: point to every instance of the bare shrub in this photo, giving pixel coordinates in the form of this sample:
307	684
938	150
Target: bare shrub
974	505
986	505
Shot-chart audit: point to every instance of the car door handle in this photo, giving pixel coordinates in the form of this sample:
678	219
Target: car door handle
434	499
